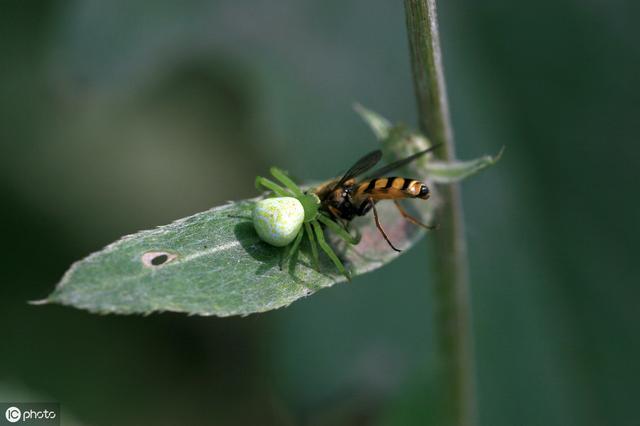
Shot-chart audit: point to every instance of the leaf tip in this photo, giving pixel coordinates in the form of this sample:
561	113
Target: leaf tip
39	302
378	124
498	156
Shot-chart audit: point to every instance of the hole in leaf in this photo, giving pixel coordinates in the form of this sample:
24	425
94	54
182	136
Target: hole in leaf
159	260
153	259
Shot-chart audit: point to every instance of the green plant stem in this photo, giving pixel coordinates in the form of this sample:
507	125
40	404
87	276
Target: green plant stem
452	295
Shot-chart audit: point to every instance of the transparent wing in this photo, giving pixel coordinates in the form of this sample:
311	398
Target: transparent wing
361	166
397	164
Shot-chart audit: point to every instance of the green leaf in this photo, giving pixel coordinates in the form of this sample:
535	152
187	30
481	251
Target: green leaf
214	263
380	125
443	172
399	142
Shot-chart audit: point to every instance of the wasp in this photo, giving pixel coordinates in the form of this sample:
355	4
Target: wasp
345	198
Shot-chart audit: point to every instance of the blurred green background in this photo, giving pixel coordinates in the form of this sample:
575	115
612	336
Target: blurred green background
121	116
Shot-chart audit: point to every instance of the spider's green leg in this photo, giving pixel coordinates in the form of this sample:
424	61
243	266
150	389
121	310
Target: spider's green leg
309	200
262	183
286	181
314	247
293	247
285	255
345	225
327	249
342	233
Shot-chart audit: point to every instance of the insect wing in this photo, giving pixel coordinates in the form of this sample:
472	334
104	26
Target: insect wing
361	166
397	164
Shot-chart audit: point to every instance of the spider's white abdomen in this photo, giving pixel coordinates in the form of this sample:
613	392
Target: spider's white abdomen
278	220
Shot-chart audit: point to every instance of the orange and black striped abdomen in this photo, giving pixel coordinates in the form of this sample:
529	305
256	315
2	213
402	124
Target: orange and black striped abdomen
391	188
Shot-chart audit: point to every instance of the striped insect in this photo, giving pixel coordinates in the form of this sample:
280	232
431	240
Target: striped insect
346	198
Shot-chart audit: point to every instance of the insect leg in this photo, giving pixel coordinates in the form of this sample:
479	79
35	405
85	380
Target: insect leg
410	218
314	247
375	216
342	233
262	183
327	249
286	181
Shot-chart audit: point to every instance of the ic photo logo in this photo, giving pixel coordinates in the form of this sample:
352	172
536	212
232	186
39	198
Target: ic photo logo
13	414
31	413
